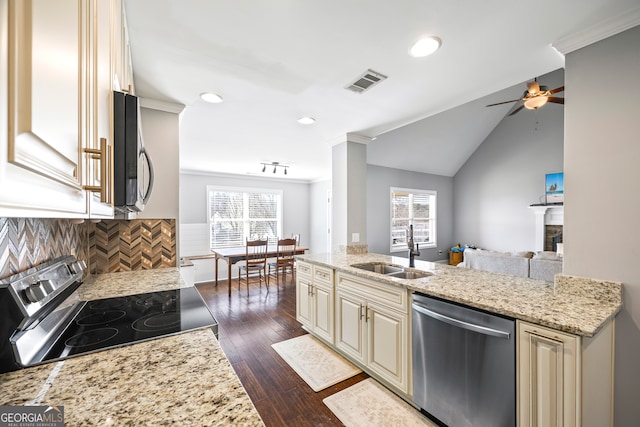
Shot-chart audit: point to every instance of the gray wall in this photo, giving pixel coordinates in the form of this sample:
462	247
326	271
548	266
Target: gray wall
602	183
319	226
295	199
379	182
160	131
493	189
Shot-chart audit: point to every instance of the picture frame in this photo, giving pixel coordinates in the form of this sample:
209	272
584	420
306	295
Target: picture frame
554	188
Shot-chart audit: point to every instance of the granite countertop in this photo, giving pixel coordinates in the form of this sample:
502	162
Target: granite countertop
183	379
571	304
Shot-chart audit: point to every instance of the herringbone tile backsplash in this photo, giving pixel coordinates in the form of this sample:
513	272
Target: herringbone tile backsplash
142	244
26	242
107	246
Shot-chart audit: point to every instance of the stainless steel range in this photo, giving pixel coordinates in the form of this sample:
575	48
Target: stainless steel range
42	319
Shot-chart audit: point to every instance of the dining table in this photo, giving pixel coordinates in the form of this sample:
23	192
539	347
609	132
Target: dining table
233	255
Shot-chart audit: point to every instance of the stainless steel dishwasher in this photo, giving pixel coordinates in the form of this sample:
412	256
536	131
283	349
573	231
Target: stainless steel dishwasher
464	364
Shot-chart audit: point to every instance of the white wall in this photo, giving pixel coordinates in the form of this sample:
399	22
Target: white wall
193	210
493	189
602	151
160	131
379	182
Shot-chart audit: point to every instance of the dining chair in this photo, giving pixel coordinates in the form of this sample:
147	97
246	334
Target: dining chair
255	262
284	259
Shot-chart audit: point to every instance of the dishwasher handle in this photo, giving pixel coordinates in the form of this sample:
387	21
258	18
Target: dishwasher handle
460	323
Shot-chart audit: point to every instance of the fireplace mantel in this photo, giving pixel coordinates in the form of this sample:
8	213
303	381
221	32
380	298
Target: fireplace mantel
546	215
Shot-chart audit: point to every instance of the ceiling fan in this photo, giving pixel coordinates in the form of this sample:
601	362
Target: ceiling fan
535	97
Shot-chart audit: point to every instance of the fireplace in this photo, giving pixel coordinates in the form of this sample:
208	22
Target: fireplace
549	222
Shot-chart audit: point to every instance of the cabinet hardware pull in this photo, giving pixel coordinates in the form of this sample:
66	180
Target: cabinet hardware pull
101	155
362	308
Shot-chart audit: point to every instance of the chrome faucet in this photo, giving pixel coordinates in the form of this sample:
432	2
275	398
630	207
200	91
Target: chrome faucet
412	251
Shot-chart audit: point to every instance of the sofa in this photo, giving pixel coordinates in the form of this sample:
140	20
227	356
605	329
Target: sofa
543	265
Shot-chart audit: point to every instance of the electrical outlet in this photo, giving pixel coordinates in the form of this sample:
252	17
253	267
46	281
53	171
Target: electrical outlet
439	251
355	237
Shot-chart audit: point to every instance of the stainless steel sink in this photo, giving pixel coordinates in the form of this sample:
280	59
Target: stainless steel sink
392	270
379	268
410	274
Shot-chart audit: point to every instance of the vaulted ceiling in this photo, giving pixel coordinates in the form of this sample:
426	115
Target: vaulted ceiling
274	62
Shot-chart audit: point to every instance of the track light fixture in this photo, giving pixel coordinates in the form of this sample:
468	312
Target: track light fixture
275	165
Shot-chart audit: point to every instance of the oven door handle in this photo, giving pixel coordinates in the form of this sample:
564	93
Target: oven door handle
460	323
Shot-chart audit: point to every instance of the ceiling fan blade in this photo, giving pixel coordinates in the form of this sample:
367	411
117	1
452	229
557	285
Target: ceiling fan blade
555	99
533	87
517	110
505	102
556	90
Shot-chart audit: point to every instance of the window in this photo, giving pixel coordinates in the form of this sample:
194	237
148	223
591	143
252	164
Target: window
417	207
237	214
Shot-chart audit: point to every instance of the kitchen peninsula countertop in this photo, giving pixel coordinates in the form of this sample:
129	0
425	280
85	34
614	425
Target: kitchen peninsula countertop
571	304
184	379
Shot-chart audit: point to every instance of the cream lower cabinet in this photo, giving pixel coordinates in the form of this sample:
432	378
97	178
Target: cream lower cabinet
314	299
372	327
564	379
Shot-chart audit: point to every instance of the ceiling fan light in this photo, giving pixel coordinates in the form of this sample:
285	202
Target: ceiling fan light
425	47
210	97
535	103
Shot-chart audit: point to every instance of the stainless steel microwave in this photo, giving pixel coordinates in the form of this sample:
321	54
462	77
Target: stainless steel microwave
132	167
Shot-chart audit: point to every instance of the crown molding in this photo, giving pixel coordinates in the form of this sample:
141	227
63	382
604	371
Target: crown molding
247	176
607	28
168	107
352	137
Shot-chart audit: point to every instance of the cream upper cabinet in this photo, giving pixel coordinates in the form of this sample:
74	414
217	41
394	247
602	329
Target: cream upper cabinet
56	117
122	69
99	156
314	299
372	327
563	379
44	110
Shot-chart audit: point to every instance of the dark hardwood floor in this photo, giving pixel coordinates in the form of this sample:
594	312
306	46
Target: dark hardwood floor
248	325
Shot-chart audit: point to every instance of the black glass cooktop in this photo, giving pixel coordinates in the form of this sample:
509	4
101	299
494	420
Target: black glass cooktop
114	322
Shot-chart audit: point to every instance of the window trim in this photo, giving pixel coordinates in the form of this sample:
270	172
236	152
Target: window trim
433	223
244	190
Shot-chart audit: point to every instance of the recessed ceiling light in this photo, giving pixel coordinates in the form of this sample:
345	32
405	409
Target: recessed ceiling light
211	97
425	47
306	120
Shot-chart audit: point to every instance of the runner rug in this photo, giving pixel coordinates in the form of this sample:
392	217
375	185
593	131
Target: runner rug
317	364
369	404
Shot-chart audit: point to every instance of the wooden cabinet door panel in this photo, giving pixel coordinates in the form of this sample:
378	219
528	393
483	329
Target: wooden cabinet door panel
304	305
350	334
386	349
99	171
323	316
45	59
548	389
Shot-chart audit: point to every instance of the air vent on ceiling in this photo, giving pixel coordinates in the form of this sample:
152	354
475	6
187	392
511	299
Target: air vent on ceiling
366	81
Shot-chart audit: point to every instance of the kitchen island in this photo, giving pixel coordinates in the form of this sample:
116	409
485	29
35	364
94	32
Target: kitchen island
575	305
363	306
184	379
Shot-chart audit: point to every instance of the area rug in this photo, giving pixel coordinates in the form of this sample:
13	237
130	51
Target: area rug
317	364
368	403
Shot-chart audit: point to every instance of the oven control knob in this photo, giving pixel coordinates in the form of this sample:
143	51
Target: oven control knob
46	285
35	293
